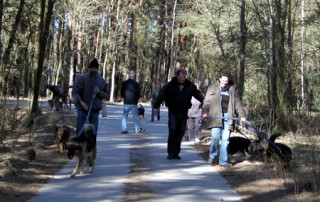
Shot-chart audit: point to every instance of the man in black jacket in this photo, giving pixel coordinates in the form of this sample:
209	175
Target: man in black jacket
177	95
130	91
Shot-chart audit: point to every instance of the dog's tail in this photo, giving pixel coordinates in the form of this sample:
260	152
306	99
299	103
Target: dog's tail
274	136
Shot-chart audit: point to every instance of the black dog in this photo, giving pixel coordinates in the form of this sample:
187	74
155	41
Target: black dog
84	147
238	144
247	147
278	152
141	112
61	135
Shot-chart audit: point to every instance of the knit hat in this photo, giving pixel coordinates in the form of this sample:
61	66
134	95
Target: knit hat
94	63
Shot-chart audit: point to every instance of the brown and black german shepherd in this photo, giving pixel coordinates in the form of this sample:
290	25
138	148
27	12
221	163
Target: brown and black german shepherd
62	133
84	148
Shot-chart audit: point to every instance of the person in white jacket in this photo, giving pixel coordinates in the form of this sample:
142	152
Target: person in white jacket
193	122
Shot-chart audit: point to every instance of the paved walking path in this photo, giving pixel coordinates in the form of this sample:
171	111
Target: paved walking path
134	167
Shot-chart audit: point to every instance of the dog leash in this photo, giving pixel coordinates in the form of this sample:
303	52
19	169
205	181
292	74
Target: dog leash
89	111
217	117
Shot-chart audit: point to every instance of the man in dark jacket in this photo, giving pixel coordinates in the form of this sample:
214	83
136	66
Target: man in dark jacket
89	92
130	91
177	95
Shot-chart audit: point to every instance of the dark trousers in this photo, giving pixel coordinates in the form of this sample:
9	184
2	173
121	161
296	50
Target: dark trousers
152	114
177	127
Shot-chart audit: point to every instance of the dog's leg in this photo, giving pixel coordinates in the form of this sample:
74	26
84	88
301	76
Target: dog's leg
62	145
94	155
78	168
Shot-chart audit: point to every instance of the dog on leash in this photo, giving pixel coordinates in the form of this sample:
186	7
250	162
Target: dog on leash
247	147
141	112
61	134
279	153
84	148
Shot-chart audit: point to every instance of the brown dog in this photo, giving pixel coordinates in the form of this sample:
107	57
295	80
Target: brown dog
61	134
84	148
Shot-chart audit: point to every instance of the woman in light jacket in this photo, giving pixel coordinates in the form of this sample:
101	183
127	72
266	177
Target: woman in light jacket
220	104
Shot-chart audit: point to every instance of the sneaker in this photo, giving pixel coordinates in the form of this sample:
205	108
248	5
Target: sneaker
211	161
225	165
124	132
197	140
141	130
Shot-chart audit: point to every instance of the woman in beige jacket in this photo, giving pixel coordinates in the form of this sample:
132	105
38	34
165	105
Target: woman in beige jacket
221	105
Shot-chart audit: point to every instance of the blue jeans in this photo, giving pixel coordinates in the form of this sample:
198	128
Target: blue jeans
134	110
177	127
81	118
215	138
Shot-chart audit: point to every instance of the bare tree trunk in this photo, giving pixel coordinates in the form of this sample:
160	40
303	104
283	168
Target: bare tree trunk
243	40
8	51
170	48
132	49
272	78
115	53
1	15
43	37
160	51
302	53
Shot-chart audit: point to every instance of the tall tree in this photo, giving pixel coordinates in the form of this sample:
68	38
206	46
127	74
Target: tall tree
8	51
242	51
45	21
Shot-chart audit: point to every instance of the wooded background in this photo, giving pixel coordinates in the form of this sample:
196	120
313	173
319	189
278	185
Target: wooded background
271	47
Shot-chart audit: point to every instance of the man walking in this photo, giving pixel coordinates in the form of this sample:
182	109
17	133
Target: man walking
177	95
89	92
130	91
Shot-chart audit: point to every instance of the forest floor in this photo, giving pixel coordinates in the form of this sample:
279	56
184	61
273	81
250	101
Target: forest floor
29	158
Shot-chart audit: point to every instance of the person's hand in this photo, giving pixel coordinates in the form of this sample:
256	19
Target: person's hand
242	120
205	115
96	90
83	105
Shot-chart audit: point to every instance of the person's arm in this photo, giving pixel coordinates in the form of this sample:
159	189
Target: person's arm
104	93
206	102
77	87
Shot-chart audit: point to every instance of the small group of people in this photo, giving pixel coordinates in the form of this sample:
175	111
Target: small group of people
185	102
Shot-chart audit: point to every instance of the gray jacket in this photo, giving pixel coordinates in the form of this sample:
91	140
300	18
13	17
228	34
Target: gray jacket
83	90
212	106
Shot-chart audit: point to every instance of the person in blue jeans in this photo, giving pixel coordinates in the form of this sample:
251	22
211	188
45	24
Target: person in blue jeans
130	91
220	104
89	92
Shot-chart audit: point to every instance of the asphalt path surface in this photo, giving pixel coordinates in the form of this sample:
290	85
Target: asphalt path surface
134	167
